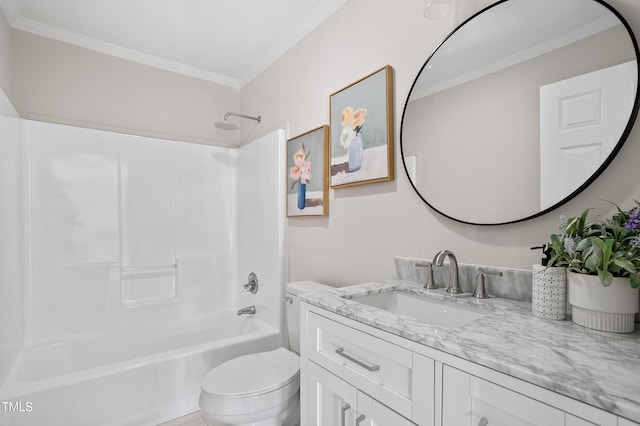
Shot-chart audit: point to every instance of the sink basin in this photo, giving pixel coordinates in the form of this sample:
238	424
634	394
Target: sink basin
434	310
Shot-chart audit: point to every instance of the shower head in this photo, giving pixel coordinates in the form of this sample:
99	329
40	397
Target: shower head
226	125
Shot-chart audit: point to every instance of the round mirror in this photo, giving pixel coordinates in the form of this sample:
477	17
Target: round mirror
520	109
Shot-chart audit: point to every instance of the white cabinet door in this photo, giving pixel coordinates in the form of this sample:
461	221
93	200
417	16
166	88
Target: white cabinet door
468	400
332	400
625	422
335	402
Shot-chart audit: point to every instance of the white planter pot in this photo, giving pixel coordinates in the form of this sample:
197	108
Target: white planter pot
603	308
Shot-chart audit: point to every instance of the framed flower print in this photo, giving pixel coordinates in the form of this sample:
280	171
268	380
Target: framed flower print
361	119
307	165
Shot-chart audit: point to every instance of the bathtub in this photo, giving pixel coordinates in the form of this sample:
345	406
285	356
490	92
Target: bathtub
141	378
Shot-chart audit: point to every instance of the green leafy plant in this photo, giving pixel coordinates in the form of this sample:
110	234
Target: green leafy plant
608	247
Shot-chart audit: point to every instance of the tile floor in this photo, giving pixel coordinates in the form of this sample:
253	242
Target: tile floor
193	419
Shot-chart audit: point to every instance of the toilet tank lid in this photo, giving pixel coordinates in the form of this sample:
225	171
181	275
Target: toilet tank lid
300	287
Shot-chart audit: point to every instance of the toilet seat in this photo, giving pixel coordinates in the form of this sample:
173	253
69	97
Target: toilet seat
256	383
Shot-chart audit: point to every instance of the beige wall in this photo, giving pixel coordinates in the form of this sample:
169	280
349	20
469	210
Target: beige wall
369	225
62	83
6	53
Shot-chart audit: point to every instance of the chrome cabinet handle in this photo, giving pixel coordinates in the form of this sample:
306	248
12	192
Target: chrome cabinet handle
359	419
344	410
483	422
341	352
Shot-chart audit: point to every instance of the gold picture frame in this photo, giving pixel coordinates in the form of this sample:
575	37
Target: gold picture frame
362	131
307	166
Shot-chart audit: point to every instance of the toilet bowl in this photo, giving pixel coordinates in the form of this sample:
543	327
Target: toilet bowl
260	389
255	389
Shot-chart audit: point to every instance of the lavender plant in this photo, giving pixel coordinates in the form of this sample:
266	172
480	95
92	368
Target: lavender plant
608	247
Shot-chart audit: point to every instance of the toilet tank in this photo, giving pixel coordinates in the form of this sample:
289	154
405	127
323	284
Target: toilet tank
293	291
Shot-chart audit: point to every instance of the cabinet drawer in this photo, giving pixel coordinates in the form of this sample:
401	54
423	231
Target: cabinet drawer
376	414
467	399
381	369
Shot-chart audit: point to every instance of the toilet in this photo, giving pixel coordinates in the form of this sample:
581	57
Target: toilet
260	389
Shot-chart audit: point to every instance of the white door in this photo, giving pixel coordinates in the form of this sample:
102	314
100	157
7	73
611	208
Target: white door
581	121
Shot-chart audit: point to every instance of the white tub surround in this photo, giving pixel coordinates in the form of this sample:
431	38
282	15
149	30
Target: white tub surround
12	322
599	369
134	259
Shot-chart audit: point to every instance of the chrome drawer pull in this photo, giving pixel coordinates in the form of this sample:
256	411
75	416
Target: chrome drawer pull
345	408
359	419
340	351
483	422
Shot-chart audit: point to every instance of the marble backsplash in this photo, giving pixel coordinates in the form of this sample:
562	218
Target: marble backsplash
514	284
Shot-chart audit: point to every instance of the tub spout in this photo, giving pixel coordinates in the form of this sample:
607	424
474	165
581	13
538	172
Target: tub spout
248	310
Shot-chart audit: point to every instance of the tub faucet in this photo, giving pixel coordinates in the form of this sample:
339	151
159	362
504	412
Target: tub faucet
454	286
248	310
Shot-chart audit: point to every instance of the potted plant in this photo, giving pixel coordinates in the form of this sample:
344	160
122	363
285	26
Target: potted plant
602	258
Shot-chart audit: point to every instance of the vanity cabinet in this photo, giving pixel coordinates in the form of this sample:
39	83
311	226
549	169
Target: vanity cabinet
356	374
381	371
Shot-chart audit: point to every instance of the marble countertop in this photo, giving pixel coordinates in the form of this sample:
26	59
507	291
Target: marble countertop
600	369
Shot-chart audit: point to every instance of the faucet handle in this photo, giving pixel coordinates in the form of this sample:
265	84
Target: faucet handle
481	292
429	283
252	284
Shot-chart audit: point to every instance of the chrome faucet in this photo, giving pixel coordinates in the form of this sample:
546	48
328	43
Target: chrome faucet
250	310
454	286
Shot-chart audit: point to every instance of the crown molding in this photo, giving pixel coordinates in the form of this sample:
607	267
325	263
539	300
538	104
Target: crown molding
297	33
522	56
113	50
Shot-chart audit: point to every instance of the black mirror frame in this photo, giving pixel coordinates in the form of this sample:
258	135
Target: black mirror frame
590	180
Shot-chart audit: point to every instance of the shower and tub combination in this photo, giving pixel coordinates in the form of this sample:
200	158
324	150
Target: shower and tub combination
135	254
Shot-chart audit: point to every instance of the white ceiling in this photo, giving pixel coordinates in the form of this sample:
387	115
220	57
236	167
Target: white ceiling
224	41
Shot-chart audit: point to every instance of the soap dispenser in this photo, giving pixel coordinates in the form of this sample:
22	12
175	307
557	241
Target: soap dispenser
549	288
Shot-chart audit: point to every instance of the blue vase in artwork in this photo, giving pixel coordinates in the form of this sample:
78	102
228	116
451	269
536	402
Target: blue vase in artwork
302	194
355	153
